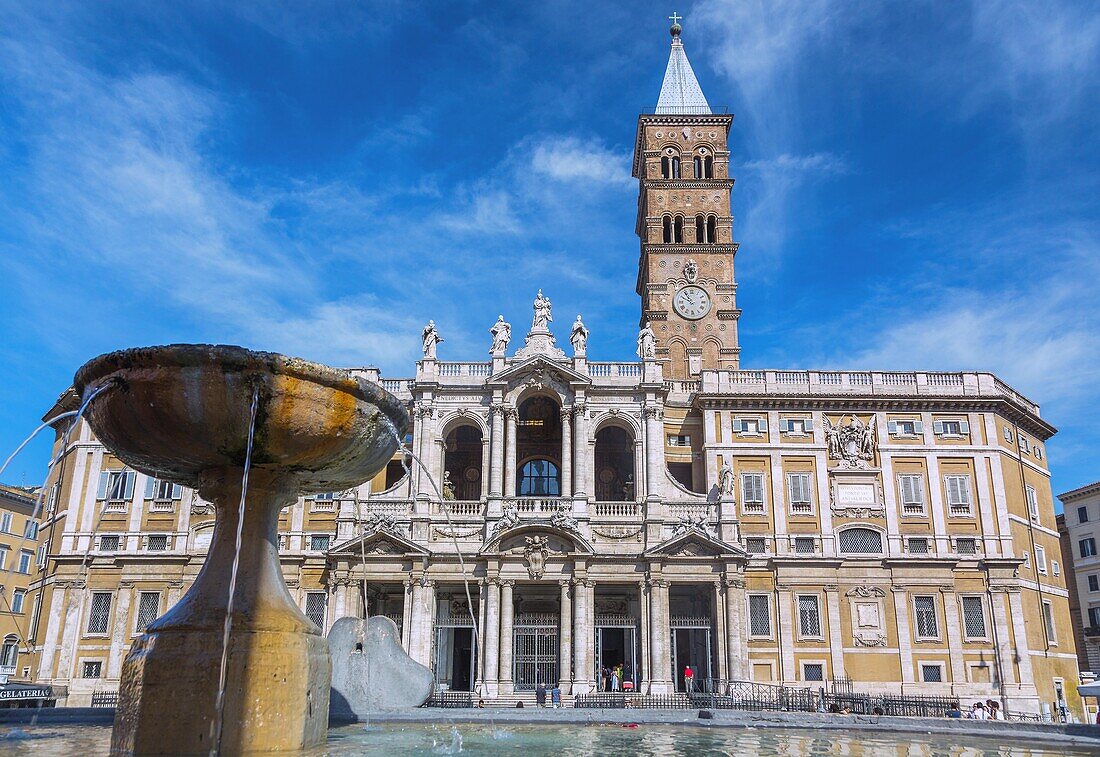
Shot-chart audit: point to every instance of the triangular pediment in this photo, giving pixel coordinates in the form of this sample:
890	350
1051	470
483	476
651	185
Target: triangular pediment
378	543
539	367
695	543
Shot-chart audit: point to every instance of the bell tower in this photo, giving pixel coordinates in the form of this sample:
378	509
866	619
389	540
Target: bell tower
685	271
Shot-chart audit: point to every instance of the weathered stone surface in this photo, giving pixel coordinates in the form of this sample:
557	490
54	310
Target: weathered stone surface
370	670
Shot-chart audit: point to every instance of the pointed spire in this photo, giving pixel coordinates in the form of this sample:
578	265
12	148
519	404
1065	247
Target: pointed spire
680	91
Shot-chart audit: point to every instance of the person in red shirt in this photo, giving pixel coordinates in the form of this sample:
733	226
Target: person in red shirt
689	679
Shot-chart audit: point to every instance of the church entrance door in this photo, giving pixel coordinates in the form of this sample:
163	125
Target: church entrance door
535	651
691	645
616	645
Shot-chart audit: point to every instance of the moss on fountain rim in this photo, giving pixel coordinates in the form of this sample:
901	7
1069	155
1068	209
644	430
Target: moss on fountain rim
233	358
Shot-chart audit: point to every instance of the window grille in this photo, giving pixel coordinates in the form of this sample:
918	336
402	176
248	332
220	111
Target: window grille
1048	620
804	545
931	673
760	616
813	671
925	608
752	492
860	541
809	616
966	546
109	543
148	609
798	486
100	612
92	669
158	542
973	617
1032	502
319	542
958	495
912	493
918	546
316	604
755	545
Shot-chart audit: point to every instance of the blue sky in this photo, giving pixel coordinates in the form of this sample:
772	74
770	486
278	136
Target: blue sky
917	183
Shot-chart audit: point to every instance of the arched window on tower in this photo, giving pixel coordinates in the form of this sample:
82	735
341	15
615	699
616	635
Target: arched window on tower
698	162
666	168
678	230
708	167
701	229
666	235
676	168
712	229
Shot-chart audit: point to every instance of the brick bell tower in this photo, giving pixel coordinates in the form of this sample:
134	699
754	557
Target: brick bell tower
685	271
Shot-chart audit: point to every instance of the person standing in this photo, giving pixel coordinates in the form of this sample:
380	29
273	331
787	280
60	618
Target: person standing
689	679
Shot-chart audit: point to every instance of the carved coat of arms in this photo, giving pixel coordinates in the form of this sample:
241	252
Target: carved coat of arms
852	443
536	552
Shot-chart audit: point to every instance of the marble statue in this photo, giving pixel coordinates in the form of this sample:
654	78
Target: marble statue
647	343
502	334
448	486
726	479
431	339
543	316
579	337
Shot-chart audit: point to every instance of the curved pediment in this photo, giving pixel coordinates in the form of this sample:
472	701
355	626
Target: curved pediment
559	540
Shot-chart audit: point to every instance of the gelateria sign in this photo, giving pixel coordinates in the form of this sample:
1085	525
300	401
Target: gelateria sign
10	693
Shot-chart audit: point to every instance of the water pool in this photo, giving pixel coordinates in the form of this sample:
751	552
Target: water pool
569	740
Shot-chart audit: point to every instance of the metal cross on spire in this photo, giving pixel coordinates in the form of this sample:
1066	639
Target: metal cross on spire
675	19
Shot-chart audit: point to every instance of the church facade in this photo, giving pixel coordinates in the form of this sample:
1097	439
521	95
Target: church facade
560	516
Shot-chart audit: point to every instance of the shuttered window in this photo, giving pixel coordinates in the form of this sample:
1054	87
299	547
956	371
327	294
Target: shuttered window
809	615
1032	502
148	609
99	612
925	610
760	617
973	617
116	488
752	492
912	493
1048	621
316	603
798	490
958	495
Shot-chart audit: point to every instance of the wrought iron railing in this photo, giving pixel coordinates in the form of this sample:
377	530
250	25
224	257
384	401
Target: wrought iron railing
104	699
450	699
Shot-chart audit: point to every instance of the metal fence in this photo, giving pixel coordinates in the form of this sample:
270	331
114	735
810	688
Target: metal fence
104	699
450	699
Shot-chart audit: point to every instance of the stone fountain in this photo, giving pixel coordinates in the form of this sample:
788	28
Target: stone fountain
182	413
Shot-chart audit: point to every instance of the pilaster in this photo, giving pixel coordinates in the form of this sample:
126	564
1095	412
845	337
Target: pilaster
507	618
565	625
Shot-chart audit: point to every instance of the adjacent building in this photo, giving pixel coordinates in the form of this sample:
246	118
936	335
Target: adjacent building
19	560
1080	527
895	529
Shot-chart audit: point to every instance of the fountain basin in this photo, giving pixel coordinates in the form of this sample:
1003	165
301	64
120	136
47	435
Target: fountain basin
182	413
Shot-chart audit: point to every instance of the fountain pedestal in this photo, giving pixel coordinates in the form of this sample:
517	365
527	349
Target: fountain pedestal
182	413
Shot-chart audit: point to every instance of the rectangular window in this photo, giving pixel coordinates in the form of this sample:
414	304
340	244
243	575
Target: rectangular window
918	545
99	612
755	545
319	542
40	556
1024	444
750	426
1094	617
1083	514
760	615
1087	547
925	609
158	542
4	558
958	495
798	490
18	597
109	543
813	671
92	669
973	617
1048	621
116	488
905	428
804	545
30	531
752	492
1008	434
323	502
679	440
796	426
1041	559
951	428
931	673
1094	582
5	523
316	602
1032	502
26	557
809	615
1055	568
912	493
966	546
148	609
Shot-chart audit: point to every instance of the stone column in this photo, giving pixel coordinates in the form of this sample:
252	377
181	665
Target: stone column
121	633
507	617
485	474
905	643
644	667
722	630
492	636
655	451
567	452
482	600
422	413
414	621
340	597
660	674
406	617
736	646
582	486
565	630
582	645
836	638
496	443
511	415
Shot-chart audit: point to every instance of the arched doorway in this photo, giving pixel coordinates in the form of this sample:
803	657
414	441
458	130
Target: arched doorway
614	460
538	448
462	461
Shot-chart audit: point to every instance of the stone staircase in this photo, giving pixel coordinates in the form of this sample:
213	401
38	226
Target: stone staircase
527	697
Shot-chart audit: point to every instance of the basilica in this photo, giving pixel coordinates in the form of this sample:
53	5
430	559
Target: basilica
560	516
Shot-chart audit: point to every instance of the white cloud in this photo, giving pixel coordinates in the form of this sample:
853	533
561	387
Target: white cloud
821	163
570	159
488	211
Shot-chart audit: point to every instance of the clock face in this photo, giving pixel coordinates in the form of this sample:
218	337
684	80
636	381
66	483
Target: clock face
692	303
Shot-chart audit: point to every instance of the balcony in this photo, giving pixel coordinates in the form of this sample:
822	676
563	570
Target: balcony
616	510
539	505
459	507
